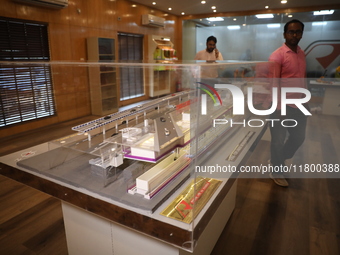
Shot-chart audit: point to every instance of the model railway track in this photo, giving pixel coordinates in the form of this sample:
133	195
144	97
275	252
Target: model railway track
125	115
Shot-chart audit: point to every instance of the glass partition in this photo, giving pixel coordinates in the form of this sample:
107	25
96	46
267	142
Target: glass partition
255	37
172	158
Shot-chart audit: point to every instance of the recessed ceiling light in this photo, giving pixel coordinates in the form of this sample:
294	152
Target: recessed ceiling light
266	7
203	2
183	13
234	19
264	16
215	19
169	8
154	3
283	1
233	27
134	5
213	7
290	16
324	12
214	11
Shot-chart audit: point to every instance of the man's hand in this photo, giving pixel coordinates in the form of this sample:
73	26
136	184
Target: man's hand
216	53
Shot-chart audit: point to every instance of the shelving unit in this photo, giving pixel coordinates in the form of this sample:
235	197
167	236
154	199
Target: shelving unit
162	79
102	77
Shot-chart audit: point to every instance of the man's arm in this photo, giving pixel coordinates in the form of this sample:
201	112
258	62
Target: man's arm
273	78
218	54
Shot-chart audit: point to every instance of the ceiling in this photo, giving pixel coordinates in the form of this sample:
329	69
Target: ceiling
194	7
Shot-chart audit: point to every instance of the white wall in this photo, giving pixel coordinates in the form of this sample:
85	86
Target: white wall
189	42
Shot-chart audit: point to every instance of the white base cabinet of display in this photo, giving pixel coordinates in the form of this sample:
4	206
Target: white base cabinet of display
89	234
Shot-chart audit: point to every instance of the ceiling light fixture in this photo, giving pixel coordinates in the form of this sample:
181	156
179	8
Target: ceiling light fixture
203	2
274	25
183	13
215	19
154	3
233	27
266	7
321	23
213	7
264	16
324	12
283	1
169	8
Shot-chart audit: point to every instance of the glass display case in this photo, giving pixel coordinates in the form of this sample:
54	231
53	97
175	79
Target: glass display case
165	169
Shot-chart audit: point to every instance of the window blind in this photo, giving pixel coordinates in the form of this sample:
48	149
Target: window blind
26	91
131	78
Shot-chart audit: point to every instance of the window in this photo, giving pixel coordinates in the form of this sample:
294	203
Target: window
25	89
131	78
